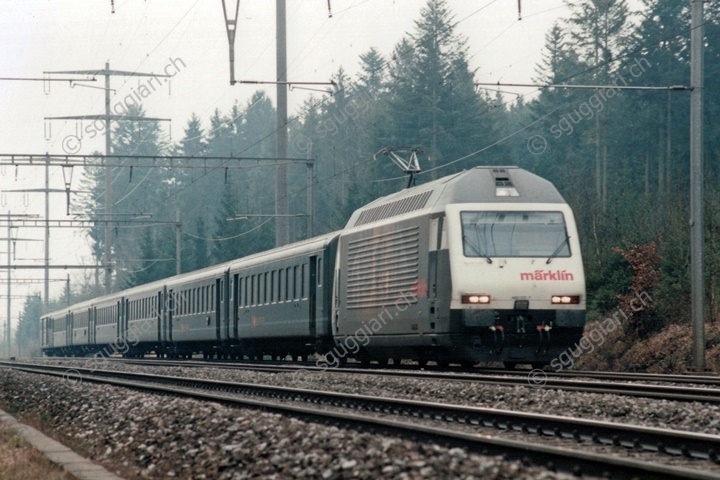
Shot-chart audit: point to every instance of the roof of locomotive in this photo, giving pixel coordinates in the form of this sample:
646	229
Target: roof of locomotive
477	185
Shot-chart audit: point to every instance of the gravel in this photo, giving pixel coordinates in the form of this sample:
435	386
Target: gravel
140	435
690	416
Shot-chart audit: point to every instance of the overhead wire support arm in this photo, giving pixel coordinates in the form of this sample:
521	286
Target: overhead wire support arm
167	161
61	267
271	82
584	87
83	223
35	79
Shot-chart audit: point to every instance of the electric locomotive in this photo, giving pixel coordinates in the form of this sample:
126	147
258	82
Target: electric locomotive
490	262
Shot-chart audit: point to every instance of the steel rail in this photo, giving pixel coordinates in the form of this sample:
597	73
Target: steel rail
534	379
632	437
572	461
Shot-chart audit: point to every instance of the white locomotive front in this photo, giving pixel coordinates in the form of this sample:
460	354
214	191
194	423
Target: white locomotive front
484	265
517	279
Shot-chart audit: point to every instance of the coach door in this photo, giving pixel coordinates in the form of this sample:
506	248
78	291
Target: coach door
219	305
69	329
235	304
226	304
170	309
159	315
312	295
122	306
91	325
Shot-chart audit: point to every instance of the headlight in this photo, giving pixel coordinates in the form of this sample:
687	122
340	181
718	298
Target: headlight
565	299
481	298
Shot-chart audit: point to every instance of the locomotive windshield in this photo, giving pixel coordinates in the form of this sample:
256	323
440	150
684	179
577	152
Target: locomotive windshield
514	234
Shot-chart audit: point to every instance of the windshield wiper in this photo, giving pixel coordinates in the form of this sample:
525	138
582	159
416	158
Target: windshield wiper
557	250
477	249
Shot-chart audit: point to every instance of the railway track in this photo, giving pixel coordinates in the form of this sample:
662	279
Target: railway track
459	423
615	384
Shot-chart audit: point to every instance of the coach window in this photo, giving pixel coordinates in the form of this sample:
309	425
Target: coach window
265	288
302	280
272	286
256	288
243	292
247	289
280	285
294	282
319	272
288	272
252	290
244	283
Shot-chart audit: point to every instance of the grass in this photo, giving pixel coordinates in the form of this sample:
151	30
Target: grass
21	461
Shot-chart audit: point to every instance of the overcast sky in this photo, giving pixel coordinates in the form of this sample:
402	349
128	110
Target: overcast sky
147	36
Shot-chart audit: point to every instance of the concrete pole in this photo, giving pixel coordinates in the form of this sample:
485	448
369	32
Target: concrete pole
178	244
8	327
282	235
696	184
46	293
107	252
